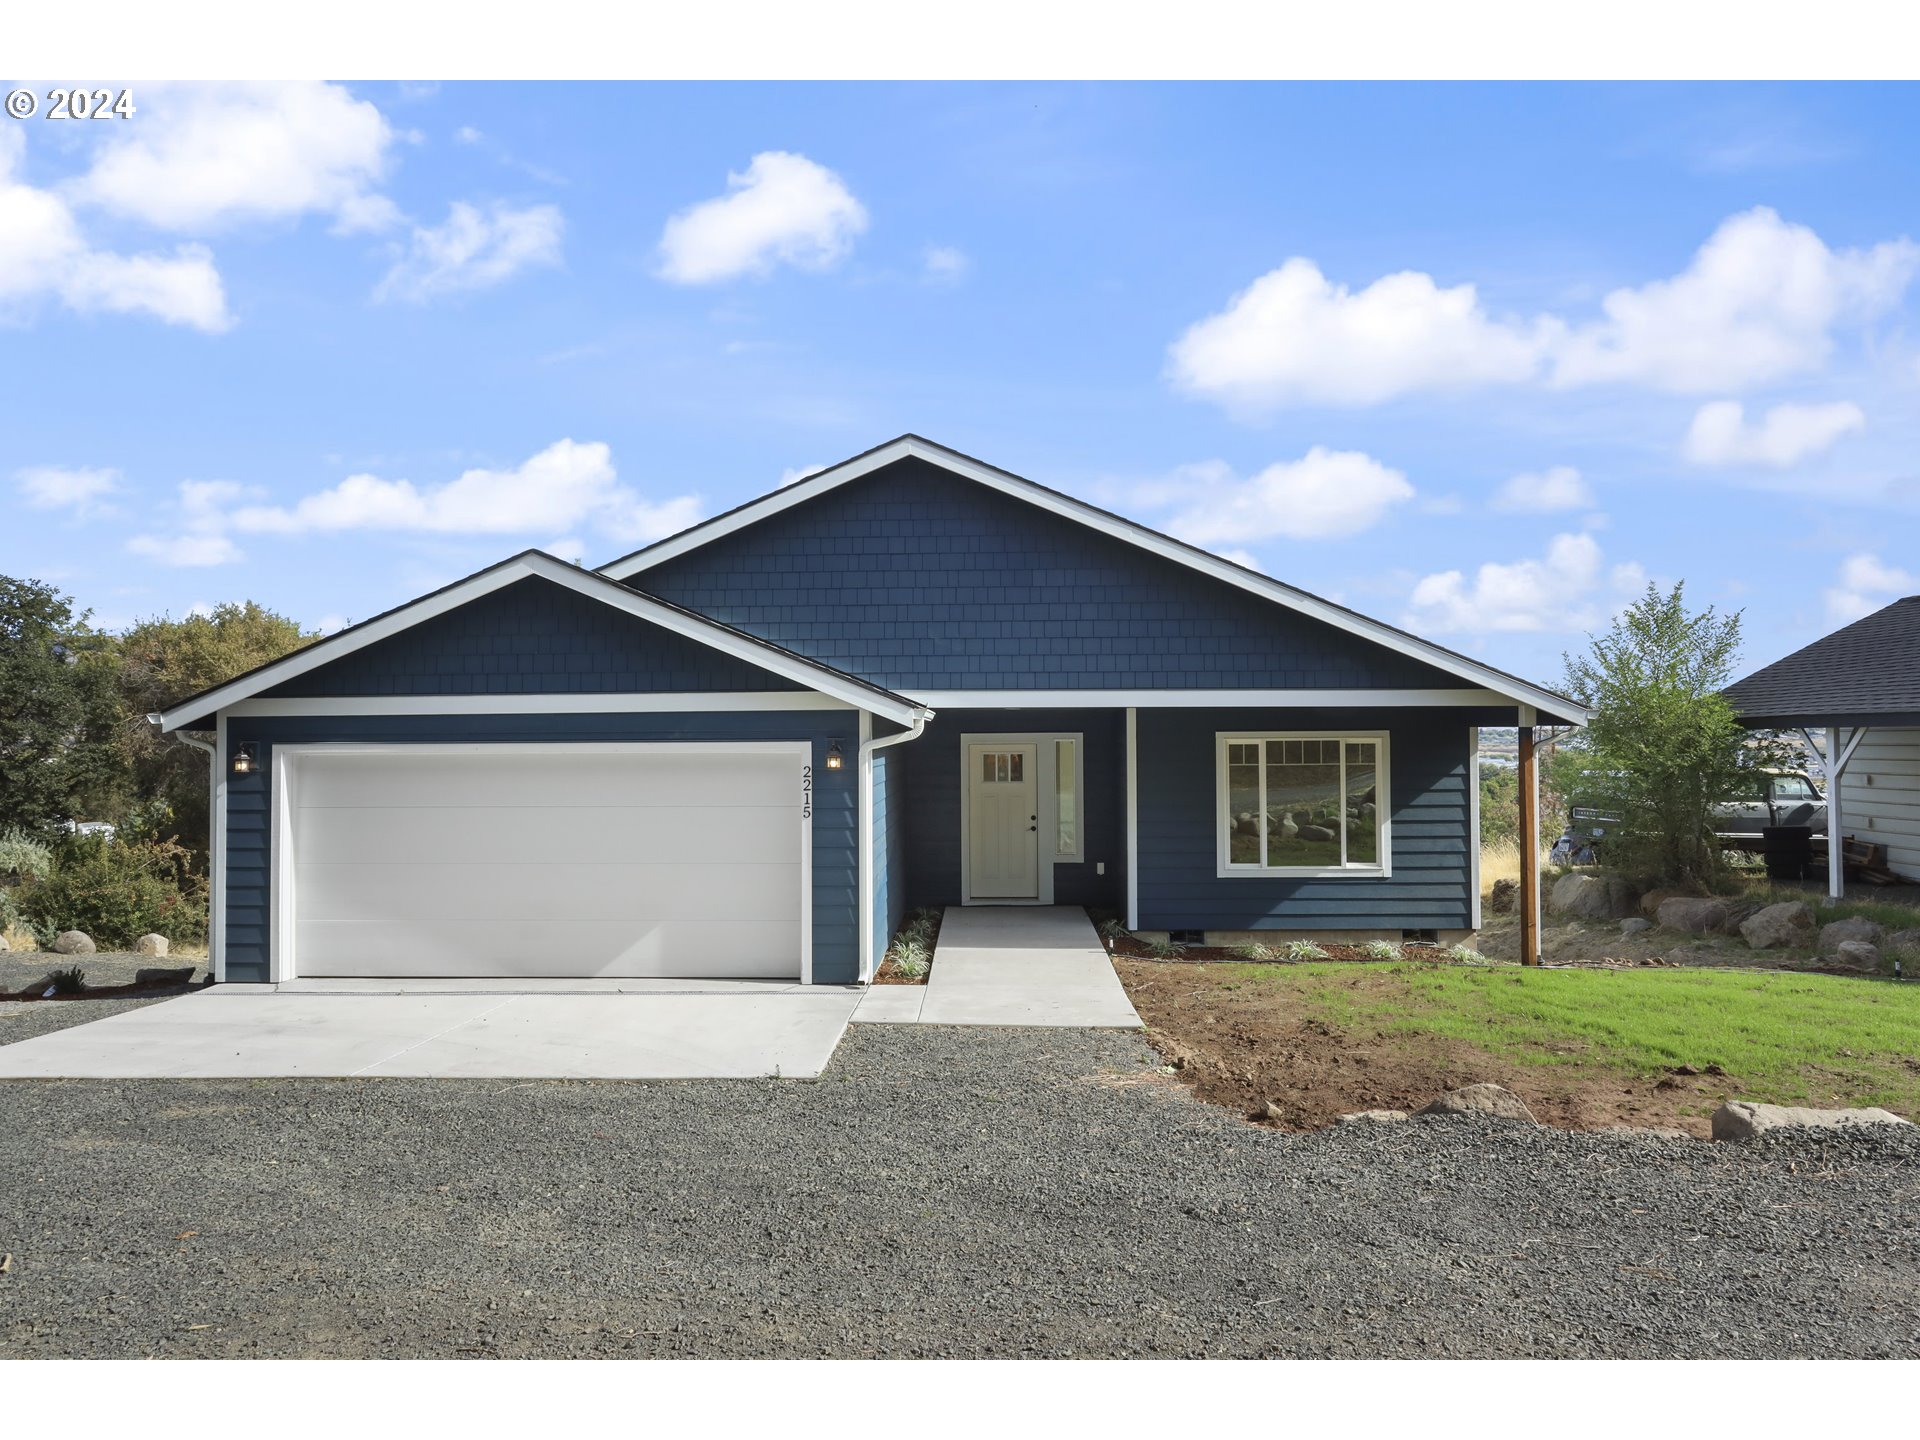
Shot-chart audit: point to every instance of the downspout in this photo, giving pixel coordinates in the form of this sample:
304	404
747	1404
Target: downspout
216	922
913	732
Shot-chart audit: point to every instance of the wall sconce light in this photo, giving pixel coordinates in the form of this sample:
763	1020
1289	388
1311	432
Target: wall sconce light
246	758
833	756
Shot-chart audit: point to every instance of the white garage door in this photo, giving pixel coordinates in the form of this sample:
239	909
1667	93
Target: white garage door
526	861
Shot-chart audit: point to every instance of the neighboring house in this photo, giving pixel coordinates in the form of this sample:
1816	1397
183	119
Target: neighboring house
911	679
1860	684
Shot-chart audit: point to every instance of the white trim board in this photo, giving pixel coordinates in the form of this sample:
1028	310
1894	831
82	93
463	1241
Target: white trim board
534	564
1202	699
1066	506
611	703
282	958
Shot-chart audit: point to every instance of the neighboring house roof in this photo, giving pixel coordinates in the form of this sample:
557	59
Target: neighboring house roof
1116	526
535	564
1867	673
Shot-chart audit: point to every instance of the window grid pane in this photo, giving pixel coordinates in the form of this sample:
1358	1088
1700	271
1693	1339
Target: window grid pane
1303	804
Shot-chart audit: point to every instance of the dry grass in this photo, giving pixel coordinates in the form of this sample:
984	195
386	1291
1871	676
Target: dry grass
1500	860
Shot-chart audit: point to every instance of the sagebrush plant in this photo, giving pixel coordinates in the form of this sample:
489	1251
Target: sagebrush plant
1305	950
1380	950
1253	950
23	856
118	892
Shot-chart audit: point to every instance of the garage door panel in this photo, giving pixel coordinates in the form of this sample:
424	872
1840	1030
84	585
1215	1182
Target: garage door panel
510	862
391	834
596	781
558	892
578	948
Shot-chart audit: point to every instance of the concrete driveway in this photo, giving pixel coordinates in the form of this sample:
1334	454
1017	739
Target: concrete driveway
738	1030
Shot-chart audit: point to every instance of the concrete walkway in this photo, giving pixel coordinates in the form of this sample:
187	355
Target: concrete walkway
1010	965
234	1031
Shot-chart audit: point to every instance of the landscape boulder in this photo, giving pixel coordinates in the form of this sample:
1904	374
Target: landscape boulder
1856	955
1482	1099
1744	1119
1779	925
1651	902
161	975
154	945
1372	1117
1593	897
1840	932
73	942
1738	913
1695	917
1635	926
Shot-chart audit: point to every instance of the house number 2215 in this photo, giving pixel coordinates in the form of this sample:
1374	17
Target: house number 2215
806	792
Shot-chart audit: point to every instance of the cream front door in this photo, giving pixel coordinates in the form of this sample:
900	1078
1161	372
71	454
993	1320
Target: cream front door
1003	820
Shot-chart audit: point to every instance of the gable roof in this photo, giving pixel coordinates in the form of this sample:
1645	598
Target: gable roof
536	564
1865	673
1108	523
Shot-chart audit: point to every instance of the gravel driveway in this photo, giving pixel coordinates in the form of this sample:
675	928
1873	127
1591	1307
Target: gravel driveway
937	1192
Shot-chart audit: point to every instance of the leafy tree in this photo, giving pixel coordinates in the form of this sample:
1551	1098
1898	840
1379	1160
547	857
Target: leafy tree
59	751
164	661
1663	745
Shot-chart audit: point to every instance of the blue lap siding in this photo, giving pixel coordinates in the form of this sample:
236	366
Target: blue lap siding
836	884
1432	841
918	579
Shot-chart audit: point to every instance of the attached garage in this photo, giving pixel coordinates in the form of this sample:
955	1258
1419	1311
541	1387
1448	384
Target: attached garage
576	860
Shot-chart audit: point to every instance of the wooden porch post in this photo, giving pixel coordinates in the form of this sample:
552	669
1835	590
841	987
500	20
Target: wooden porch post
1529	896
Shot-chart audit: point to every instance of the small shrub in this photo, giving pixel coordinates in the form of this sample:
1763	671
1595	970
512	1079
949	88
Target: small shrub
70	981
1305	950
1465	954
1164	949
23	857
1380	950
1254	950
1111	929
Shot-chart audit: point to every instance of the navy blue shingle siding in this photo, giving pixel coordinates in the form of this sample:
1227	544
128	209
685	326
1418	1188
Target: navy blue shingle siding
532	638
918	579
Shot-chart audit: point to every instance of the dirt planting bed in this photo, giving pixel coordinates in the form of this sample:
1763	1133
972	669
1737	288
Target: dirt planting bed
1253	1050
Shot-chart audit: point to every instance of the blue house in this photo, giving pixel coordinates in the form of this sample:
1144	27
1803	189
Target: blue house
911	679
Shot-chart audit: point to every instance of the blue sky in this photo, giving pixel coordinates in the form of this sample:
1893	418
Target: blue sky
1476	359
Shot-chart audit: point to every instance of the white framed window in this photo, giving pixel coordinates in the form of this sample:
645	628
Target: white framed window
1302	803
1066	797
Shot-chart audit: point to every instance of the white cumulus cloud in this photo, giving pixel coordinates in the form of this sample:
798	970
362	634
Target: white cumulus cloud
186	551
1560	488
564	486
201	157
1762	299
784	209
1558	591
1865	584
1786	435
946	264
44	254
65	487
1323	495
475	249
1294	337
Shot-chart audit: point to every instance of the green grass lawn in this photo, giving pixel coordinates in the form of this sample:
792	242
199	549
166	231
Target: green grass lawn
1786	1039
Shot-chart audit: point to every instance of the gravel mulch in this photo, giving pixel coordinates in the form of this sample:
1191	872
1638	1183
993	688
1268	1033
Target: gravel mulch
937	1192
19	969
